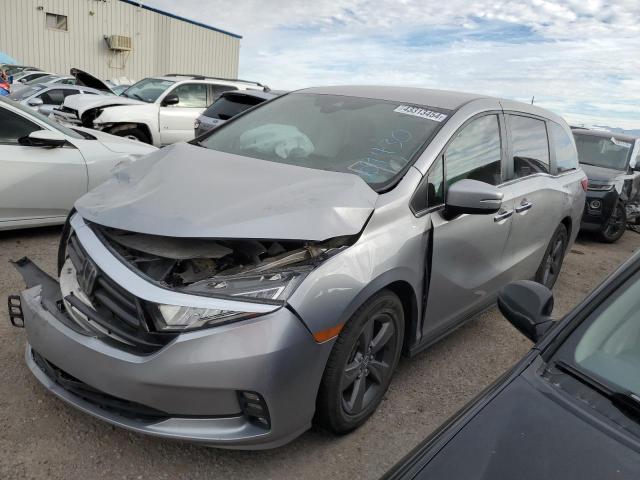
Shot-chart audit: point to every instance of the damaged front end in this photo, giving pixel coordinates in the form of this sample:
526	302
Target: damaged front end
265	271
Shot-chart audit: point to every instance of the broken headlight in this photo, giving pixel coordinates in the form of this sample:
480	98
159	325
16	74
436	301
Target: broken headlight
267	287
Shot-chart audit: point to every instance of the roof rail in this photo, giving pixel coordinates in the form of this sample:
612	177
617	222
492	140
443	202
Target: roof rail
206	77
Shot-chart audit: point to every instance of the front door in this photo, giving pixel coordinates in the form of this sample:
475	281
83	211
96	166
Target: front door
36	183
467	260
176	121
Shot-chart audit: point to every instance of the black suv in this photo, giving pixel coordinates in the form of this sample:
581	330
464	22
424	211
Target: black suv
609	160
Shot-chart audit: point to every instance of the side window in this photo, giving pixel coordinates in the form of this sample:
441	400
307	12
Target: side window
530	147
53	97
191	95
475	153
435	184
563	147
214	91
14	127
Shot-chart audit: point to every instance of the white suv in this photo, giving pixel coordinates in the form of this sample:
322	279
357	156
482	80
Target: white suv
156	110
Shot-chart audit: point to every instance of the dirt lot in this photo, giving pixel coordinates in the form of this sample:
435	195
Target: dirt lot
43	438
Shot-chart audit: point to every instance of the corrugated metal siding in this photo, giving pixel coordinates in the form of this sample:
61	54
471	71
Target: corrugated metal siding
161	44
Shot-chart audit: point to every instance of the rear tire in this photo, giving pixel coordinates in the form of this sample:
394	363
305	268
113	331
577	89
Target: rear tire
361	364
616	224
549	269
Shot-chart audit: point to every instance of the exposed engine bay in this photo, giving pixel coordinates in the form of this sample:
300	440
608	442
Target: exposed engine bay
179	263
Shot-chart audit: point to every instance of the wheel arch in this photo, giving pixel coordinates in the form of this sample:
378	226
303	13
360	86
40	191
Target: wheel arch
568	223
396	282
118	127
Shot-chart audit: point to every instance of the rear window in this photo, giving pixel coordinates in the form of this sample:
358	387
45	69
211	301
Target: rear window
229	106
563	147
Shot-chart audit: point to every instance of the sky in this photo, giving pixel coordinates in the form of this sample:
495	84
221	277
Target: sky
578	58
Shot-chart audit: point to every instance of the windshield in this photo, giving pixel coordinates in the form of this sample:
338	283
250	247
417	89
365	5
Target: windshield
607	152
608	344
26	92
230	105
43	119
147	90
375	139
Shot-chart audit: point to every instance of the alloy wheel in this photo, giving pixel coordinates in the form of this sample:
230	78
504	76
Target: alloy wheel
616	222
554	262
370	364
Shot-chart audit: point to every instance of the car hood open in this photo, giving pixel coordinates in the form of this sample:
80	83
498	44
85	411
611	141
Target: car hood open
189	191
88	80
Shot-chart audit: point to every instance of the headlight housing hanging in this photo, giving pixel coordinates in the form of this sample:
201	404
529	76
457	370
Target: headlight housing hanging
267	287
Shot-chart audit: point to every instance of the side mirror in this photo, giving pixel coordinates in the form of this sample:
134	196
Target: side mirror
35	102
528	306
171	99
472	196
43	138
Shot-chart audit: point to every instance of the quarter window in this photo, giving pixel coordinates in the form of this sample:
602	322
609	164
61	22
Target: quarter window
191	95
530	147
564	148
14	126
475	153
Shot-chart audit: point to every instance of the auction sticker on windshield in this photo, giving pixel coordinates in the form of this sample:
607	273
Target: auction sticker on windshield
421	112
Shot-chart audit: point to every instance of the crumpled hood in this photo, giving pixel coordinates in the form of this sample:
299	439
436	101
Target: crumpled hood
601	174
82	103
189	191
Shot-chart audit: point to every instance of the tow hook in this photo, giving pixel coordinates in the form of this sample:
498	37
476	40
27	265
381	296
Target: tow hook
16	317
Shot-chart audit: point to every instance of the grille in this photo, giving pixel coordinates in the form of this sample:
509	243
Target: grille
119	406
117	314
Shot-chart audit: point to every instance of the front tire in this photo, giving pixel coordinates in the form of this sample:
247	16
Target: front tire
616	224
361	364
549	269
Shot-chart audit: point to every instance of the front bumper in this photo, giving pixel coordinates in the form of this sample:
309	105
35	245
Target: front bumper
595	220
66	118
195	379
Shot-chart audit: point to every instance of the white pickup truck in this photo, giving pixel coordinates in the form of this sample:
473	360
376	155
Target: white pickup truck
155	110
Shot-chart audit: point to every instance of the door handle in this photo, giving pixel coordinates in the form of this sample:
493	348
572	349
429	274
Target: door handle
502	216
524	206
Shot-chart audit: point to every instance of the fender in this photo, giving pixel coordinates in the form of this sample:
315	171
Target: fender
146	114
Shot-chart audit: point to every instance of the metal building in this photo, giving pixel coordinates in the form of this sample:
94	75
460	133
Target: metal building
113	39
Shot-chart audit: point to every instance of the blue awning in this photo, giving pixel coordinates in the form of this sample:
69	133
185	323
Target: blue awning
4	58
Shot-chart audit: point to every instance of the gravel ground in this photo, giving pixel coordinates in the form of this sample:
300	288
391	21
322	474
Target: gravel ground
43	438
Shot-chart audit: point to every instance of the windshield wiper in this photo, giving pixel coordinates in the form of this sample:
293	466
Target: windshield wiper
624	400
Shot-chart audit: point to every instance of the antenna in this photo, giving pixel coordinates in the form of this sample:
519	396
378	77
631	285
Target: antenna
532	99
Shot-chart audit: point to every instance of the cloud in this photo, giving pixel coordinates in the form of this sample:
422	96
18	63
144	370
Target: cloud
579	58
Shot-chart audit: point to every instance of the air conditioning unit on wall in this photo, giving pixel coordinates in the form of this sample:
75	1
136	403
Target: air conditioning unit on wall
120	43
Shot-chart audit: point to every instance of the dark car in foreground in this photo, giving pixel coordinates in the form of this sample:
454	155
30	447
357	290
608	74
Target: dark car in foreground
570	409
228	105
613	198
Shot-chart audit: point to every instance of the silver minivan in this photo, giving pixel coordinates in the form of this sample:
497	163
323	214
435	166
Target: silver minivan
230	291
